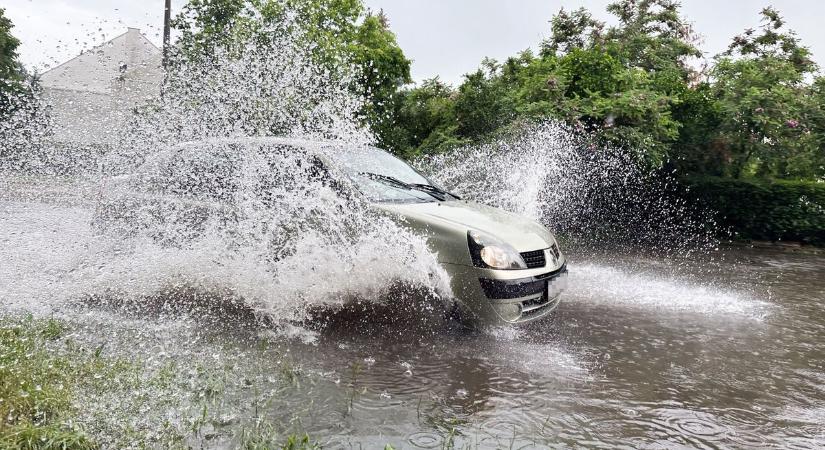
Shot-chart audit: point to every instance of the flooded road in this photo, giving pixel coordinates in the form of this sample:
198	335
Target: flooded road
724	350
665	364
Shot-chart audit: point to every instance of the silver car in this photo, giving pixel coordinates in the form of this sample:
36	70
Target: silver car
504	268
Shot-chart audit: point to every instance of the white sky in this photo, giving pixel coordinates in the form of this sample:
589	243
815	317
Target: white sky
443	37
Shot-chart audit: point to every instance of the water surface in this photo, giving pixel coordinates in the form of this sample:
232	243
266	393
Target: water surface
721	350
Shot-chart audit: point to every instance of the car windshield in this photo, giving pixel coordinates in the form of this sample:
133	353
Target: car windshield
382	177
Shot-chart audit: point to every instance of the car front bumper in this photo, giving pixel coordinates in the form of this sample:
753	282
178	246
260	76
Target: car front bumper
507	296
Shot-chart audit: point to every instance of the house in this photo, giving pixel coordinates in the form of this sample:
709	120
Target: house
92	95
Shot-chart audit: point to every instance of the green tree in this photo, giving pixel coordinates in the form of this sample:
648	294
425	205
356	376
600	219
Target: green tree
622	82
482	104
577	29
621	105
11	72
770	113
816	116
698	149
384	70
207	25
425	119
340	33
9	67
652	35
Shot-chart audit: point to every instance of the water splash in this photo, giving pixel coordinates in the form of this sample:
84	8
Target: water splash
272	85
195	195
598	198
193	192
596	283
611	211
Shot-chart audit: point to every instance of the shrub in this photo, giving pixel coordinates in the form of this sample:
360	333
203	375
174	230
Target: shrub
765	210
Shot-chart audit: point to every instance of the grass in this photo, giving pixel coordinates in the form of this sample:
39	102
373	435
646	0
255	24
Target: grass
45	375
37	385
55	391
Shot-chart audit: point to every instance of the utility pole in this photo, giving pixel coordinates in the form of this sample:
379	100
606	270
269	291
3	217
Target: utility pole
167	25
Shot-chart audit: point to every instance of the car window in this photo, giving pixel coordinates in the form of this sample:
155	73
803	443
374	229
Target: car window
364	165
211	170
381	192
373	160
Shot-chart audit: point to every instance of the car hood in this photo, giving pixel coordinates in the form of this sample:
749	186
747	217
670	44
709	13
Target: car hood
520	232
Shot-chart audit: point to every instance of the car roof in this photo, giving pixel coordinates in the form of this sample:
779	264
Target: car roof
307	144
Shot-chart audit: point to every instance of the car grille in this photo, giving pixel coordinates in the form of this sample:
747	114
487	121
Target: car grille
534	259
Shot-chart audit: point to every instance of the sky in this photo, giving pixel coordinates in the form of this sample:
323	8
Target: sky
445	38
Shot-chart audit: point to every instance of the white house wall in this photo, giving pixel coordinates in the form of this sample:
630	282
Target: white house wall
92	96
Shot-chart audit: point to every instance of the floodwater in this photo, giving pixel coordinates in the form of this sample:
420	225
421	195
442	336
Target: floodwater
632	357
722	350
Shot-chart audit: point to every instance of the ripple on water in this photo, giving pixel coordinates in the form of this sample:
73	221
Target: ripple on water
700	425
807	428
425	439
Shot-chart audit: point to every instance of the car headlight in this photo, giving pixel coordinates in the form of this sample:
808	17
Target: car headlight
489	252
554	249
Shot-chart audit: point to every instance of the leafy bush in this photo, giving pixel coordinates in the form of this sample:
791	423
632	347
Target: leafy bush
765	210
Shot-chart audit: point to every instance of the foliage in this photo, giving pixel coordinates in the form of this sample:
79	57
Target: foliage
11	73
384	70
619	83
634	85
766	210
482	103
341	34
425	119
768	110
9	67
653	36
569	31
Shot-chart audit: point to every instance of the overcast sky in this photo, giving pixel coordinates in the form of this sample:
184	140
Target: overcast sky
443	37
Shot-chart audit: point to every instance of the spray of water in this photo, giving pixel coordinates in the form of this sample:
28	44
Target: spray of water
612	212
598	198
269	86
195	195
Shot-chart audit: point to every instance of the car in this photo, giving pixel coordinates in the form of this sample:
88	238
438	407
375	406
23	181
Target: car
504	268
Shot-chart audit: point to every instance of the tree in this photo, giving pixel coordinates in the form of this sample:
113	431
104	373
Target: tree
698	149
621	83
482	104
341	34
208	25
11	72
384	70
769	111
9	67
425	119
652	35
569	31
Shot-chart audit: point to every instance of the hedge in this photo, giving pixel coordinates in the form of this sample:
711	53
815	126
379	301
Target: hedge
764	210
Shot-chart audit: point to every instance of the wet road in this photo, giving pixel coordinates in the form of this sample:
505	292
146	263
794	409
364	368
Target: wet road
632	358
642	352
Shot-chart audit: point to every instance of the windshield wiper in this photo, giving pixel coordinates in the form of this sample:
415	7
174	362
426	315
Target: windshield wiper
430	189
386	179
